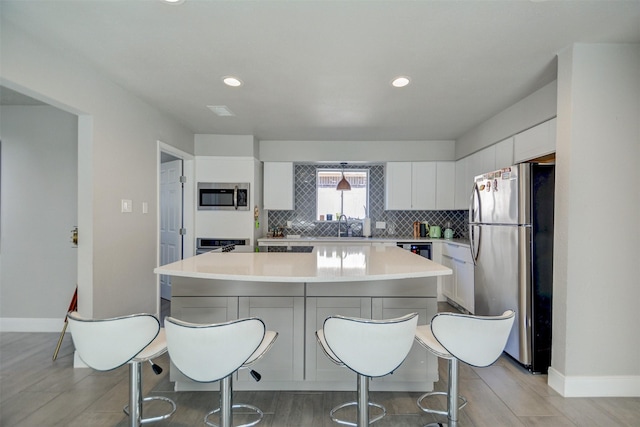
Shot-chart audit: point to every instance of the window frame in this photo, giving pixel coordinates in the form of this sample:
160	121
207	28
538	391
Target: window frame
339	170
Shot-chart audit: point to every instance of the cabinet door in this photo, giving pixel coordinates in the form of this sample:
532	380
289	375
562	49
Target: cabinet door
504	153
445	185
488	159
448	282
464	285
538	141
397	177
318	366
423	186
278	186
420	365
464	182
285	315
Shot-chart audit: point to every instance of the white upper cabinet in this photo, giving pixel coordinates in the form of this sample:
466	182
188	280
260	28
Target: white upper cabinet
419	185
423	186
504	153
535	142
445	185
278	185
463	184
398	179
487	159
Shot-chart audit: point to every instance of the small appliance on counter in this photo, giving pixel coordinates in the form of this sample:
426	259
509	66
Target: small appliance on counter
448	232
435	232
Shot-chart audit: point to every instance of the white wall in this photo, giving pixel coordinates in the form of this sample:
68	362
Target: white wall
596	344
225	145
536	108
117	147
39	209
356	151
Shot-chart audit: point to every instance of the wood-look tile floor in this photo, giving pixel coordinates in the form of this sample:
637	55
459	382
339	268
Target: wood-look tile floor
36	391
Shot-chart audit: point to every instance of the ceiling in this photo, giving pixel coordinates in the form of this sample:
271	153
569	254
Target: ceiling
321	70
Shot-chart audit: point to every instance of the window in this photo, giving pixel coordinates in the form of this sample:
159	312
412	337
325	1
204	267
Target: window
350	203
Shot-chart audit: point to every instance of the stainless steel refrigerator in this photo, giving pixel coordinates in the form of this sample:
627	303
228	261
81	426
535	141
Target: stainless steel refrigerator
511	233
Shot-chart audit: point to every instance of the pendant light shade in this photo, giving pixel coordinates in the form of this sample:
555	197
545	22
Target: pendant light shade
343	185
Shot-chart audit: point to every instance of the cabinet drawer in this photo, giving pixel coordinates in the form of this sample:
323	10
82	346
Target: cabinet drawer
458	252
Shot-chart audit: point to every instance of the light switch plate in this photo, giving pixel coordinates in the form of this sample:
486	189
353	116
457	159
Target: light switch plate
145	207
126	206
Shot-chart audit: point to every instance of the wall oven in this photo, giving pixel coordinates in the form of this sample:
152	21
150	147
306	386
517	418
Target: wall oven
216	196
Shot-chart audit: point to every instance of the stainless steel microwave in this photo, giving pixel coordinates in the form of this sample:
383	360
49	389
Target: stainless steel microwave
215	196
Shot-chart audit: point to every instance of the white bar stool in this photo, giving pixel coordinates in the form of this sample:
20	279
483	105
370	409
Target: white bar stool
106	344
475	340
370	348
214	352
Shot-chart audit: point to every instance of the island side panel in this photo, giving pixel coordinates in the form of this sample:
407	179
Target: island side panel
296	311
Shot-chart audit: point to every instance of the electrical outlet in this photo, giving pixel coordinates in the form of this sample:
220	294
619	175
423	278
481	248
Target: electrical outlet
126	206
381	225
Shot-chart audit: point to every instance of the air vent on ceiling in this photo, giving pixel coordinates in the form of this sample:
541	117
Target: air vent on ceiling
221	110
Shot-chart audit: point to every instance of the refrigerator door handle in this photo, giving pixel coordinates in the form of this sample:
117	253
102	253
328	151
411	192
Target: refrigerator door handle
472	243
475	195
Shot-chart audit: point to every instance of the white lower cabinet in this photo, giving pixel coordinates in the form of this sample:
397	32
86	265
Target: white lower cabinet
459	286
284	361
418	368
414	367
318	366
296	311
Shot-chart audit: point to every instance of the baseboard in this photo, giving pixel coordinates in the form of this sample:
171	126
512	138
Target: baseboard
18	324
596	386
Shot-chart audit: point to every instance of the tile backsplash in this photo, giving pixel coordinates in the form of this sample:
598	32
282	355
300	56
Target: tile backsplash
398	223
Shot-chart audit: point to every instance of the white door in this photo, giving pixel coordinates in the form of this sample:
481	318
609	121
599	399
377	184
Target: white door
170	219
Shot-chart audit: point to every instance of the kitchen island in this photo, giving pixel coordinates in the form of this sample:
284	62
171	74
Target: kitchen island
293	292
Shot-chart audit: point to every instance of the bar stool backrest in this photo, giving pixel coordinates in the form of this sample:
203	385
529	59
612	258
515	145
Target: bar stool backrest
475	340
372	348
106	344
210	352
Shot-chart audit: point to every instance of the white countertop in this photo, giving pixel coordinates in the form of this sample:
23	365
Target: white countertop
266	241
327	263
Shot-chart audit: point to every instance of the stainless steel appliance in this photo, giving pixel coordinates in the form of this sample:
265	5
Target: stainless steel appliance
511	233
422	249
223	196
207	244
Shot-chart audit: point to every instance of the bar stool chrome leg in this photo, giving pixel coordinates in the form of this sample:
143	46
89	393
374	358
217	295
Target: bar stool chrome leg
452	404
226	408
363	404
134	409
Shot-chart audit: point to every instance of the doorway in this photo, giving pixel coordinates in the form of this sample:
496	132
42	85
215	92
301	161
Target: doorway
175	214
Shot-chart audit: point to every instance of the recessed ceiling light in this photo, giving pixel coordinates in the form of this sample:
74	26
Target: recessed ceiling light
401	81
173	1
221	110
232	81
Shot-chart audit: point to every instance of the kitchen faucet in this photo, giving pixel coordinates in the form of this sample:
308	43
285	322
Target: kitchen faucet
346	223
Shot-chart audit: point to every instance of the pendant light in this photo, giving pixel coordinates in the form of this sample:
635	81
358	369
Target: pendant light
343	185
